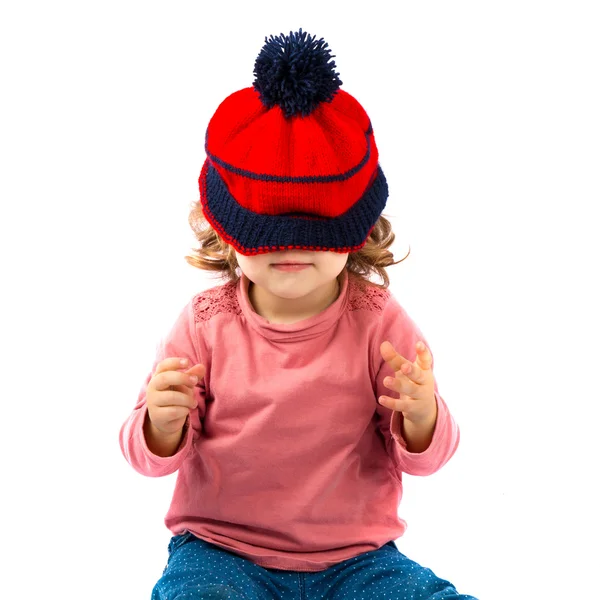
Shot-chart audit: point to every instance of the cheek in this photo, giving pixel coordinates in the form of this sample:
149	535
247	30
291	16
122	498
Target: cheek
254	267
248	261
335	264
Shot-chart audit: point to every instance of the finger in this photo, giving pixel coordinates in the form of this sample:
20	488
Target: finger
171	364
199	370
173	380
174	398
424	358
401	404
413	372
390	356
402	385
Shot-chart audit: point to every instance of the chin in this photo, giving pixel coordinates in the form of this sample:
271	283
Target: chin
291	292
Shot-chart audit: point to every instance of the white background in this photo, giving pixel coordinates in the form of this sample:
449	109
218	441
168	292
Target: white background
487	122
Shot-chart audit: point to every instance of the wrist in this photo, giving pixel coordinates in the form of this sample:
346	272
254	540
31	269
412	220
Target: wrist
419	433
160	443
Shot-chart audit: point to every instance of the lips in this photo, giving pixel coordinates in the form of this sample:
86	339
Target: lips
290	267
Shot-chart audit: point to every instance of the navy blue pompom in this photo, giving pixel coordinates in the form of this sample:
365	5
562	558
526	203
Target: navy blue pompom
296	72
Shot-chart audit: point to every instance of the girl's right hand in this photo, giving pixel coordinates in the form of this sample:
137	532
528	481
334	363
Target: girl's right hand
170	395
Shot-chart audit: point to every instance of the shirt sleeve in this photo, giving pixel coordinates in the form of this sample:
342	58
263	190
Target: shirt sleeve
401	331
181	341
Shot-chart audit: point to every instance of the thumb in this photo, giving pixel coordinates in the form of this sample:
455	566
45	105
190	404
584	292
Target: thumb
199	370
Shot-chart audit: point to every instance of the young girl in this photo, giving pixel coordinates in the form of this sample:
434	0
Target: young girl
292	398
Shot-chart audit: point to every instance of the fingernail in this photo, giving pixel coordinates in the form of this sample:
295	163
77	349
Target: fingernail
183	361
194	379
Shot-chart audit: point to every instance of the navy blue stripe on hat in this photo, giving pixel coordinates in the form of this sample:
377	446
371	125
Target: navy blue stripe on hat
302	179
253	232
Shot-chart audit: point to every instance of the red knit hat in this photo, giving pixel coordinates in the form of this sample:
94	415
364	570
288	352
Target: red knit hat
292	161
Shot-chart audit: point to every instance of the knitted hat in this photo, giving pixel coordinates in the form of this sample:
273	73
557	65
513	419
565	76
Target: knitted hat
291	162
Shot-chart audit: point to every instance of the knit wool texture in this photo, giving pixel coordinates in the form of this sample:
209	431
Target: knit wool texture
271	182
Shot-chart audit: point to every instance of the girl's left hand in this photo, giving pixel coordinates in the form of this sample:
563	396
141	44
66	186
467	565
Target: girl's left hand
413	381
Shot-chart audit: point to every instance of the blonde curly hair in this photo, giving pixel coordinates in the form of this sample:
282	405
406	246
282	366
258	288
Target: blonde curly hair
216	255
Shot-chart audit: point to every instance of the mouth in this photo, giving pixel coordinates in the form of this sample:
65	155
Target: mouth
291	266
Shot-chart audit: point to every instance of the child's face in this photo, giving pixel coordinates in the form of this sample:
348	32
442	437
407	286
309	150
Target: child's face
323	268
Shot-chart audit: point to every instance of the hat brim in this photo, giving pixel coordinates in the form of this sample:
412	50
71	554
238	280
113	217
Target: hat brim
251	233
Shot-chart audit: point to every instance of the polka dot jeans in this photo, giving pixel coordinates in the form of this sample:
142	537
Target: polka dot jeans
198	569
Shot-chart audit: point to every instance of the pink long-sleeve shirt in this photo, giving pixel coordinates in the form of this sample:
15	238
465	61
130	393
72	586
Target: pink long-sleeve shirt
289	460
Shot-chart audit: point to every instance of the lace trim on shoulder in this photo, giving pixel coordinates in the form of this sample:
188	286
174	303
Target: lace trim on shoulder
223	299
220	299
366	296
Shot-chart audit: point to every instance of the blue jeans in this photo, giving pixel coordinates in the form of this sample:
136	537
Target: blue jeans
199	569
